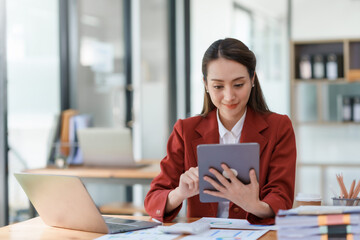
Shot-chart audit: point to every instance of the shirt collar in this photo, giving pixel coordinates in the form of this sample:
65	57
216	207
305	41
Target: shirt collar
236	130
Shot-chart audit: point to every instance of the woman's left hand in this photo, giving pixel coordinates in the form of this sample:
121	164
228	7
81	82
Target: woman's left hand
245	196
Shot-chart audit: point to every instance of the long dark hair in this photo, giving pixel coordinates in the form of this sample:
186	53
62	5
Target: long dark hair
235	50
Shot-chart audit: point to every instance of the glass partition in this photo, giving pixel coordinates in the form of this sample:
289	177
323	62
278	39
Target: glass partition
99	82
154	82
33	89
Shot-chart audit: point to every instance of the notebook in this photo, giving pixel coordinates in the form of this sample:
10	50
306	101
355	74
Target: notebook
63	201
107	147
240	158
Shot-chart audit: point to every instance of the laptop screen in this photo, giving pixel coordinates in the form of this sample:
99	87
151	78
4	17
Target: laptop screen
106	147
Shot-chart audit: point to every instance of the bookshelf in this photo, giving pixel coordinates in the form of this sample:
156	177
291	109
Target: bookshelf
323	110
323	103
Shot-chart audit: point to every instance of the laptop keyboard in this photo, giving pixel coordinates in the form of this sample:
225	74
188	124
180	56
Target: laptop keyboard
117	225
117	228
118	220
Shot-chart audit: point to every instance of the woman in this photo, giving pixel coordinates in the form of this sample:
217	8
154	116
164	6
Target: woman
234	111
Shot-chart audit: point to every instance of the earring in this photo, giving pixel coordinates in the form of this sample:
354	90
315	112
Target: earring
207	91
253	85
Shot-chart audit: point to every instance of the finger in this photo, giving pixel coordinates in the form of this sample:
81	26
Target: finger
252	176
230	173
193	176
214	193
224	165
214	184
188	181
220	177
195	171
194	181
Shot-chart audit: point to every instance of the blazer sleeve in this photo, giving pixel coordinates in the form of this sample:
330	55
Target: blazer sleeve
278	191
172	166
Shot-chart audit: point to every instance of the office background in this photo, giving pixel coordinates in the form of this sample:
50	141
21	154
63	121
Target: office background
137	63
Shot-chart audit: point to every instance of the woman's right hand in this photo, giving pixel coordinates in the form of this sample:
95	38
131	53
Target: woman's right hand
188	187
189	183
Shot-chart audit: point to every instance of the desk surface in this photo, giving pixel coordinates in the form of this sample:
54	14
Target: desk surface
36	229
147	172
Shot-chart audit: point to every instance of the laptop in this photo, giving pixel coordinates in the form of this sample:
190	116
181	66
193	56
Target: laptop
63	201
107	147
240	158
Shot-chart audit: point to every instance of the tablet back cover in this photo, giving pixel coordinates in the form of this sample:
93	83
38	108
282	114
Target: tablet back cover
241	157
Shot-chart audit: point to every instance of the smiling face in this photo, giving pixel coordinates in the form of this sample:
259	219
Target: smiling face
229	86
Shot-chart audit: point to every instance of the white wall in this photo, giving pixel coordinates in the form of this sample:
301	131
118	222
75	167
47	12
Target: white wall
212	20
325	19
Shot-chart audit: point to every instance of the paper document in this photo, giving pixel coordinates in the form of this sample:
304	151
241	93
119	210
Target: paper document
219	234
318	210
234	224
146	234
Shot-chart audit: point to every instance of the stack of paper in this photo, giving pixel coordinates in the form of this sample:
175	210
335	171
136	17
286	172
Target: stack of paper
319	223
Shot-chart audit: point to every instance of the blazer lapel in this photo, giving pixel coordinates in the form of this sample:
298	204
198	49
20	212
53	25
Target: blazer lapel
208	130
253	125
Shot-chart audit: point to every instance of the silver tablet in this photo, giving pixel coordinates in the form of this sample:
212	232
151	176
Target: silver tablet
239	157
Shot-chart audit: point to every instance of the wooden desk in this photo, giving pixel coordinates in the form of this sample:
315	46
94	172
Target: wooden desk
127	177
143	175
35	229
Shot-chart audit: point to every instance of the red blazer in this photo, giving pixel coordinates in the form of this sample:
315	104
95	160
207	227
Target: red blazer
272	131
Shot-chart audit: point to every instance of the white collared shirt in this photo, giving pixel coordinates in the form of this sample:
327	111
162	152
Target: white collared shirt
228	137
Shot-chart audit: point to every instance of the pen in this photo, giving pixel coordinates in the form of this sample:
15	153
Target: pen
155	220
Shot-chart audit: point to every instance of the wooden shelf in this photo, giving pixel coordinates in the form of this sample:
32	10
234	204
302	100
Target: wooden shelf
326	81
326	123
328	165
325	95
